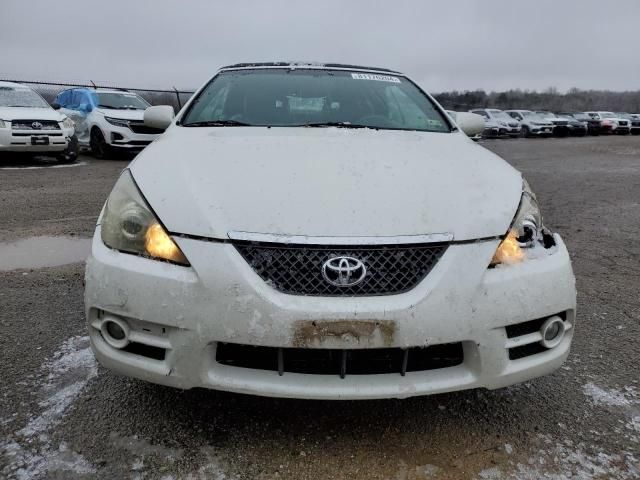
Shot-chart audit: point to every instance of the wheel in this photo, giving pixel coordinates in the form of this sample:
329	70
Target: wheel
70	155
99	146
524	132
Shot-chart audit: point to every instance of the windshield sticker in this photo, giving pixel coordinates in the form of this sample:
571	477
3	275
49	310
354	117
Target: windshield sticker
379	78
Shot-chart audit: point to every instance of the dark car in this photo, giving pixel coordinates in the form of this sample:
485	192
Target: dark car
634	121
594	126
562	126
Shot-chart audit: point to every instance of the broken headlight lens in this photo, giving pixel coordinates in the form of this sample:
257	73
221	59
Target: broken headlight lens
525	230
129	225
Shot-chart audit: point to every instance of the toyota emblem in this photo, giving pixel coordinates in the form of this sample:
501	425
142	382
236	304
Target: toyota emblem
36	125
344	271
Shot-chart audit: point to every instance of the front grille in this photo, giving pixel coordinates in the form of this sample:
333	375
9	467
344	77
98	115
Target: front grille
29	125
297	270
141	128
317	361
622	123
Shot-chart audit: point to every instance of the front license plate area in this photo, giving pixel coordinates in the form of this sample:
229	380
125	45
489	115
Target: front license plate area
39	140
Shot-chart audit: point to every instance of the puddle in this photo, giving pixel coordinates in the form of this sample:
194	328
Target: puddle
40	252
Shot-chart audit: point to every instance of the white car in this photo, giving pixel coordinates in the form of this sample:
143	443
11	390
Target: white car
507	125
611	123
532	124
28	124
324	231
106	120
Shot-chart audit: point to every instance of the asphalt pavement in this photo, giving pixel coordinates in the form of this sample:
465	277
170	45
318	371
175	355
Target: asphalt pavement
64	417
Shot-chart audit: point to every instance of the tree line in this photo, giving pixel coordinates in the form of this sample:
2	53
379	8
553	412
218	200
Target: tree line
550	99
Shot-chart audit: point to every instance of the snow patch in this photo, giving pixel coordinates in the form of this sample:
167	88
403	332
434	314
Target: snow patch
612	397
29	452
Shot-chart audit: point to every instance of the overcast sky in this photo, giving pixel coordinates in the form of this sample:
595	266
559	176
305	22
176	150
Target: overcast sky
444	45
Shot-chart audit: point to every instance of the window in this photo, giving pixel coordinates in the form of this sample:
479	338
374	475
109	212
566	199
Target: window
299	97
20	97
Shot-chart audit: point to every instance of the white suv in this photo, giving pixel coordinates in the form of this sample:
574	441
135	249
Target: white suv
107	120
532	123
28	124
328	232
506	124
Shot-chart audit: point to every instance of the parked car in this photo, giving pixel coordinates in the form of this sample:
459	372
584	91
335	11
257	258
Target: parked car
475	137
107	120
634	121
28	124
324	231
594	126
508	126
577	128
531	123
611	123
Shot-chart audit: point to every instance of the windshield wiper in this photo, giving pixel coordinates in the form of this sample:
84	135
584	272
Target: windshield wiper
337	124
218	123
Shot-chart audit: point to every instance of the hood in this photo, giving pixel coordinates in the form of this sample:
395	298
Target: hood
26	113
326	182
122	114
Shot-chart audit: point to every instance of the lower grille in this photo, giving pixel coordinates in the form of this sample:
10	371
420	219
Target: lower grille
141	128
34	125
315	361
298	270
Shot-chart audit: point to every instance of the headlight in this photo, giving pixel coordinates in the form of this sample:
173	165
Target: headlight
525	230
118	122
68	123
3	124
129	225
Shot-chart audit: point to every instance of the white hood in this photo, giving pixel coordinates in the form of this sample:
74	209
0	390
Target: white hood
26	113
122	114
326	182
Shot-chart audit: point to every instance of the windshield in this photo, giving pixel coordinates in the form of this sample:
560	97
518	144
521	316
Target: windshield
314	97
121	101
537	117
500	115
21	97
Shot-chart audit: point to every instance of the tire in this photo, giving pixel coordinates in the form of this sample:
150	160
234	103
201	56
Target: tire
524	132
99	146
70	155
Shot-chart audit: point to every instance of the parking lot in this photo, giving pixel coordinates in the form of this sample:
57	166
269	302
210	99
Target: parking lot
62	416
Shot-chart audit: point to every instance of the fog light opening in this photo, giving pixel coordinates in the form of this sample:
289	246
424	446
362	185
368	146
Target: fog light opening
115	332
552	332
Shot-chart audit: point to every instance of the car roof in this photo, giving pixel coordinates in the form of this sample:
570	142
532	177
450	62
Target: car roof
98	90
315	65
13	85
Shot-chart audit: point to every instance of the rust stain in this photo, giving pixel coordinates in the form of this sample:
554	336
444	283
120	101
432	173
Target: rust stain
343	333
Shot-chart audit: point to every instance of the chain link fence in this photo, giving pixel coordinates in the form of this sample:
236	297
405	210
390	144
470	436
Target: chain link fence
49	90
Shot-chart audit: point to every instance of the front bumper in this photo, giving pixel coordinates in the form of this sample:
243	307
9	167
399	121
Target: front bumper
124	137
21	140
187	311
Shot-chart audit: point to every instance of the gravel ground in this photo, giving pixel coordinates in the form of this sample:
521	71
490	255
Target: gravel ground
62	416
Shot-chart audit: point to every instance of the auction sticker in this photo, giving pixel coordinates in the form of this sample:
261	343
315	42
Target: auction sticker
371	76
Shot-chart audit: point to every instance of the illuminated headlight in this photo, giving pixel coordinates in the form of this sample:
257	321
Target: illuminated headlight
68	123
525	230
118	122
129	225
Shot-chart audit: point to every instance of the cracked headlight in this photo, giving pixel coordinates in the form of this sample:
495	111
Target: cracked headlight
525	230
129	225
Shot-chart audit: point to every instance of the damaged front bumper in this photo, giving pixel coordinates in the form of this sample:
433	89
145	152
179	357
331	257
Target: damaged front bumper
218	325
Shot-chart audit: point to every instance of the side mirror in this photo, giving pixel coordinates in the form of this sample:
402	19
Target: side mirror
55	106
159	116
470	123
